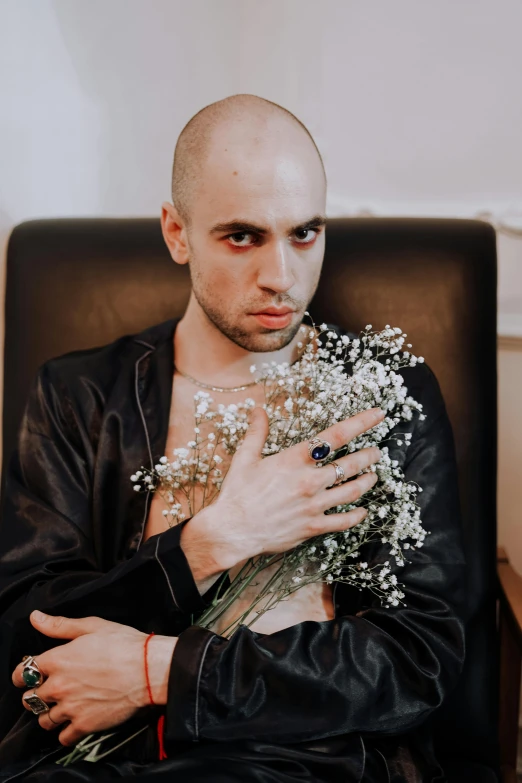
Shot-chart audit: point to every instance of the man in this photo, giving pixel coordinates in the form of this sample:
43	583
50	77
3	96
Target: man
328	686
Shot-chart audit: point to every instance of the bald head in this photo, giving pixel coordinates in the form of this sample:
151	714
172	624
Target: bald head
242	125
249	193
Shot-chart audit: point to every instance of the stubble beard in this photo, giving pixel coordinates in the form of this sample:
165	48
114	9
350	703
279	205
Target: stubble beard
271	340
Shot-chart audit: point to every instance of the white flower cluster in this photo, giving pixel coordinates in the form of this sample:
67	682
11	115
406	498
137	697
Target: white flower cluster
393	519
335	378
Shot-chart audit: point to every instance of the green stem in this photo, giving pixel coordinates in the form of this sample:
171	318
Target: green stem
82	748
219	599
265	590
116	747
225	605
238	585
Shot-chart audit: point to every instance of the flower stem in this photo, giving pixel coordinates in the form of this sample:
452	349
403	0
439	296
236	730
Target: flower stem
236	588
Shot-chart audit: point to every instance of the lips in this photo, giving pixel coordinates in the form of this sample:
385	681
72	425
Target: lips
275	311
277	320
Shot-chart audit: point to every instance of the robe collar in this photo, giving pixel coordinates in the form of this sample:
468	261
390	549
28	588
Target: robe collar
152	391
154	374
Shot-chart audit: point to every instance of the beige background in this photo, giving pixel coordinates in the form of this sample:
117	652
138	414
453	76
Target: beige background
414	105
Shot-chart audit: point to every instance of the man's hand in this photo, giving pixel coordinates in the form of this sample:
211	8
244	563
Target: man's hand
97	680
272	504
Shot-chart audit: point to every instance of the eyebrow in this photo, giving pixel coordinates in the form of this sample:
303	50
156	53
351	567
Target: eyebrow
244	226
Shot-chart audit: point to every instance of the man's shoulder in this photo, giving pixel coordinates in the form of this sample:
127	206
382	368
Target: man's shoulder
103	363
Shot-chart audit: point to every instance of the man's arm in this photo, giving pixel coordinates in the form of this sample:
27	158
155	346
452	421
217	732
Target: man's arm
378	670
48	559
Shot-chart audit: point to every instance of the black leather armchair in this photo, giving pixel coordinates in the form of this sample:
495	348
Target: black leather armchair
78	283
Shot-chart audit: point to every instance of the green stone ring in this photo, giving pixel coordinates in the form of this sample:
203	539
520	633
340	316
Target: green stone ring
31	675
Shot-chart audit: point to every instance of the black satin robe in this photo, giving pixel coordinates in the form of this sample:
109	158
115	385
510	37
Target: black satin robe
339	700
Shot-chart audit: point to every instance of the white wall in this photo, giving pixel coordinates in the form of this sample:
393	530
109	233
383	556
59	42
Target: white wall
415	106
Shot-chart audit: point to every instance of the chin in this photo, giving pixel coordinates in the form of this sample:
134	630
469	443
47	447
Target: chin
265	339
252	336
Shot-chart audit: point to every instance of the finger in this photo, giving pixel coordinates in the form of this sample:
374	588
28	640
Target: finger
46	690
345	431
67	627
17	677
335	523
32	692
24	703
53	719
352	464
255	436
343	494
71	735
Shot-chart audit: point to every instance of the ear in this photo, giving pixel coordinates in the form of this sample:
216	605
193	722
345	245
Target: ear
174	233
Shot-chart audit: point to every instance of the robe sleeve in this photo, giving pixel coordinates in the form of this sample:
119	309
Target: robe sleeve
378	670
48	555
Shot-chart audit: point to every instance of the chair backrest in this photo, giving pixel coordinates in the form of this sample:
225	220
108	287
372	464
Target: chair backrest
78	283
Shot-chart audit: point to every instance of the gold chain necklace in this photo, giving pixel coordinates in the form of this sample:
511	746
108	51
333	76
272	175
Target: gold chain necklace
223	388
215	388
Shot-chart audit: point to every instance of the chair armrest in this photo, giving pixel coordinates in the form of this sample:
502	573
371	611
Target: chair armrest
510	628
510	594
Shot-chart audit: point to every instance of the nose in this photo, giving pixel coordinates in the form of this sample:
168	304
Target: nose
275	270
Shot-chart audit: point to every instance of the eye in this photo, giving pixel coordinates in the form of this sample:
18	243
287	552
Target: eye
304	236
238	239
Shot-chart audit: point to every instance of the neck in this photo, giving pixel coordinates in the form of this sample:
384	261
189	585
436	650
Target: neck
203	351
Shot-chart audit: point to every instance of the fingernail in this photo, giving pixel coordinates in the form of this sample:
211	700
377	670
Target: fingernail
38	616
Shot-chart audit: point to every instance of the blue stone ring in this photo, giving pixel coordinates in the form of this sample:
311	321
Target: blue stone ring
319	449
31	675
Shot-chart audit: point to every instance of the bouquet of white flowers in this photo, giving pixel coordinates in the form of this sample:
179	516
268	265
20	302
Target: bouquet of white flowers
329	382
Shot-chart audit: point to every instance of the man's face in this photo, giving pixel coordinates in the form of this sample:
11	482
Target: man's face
256	240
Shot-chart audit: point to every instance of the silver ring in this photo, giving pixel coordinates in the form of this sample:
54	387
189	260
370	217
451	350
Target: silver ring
31	675
339	473
37	705
318	449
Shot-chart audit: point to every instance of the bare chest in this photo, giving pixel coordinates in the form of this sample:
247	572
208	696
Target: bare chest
180	432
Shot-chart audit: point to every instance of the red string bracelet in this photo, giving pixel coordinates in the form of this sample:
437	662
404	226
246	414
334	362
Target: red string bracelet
161	721
149	689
